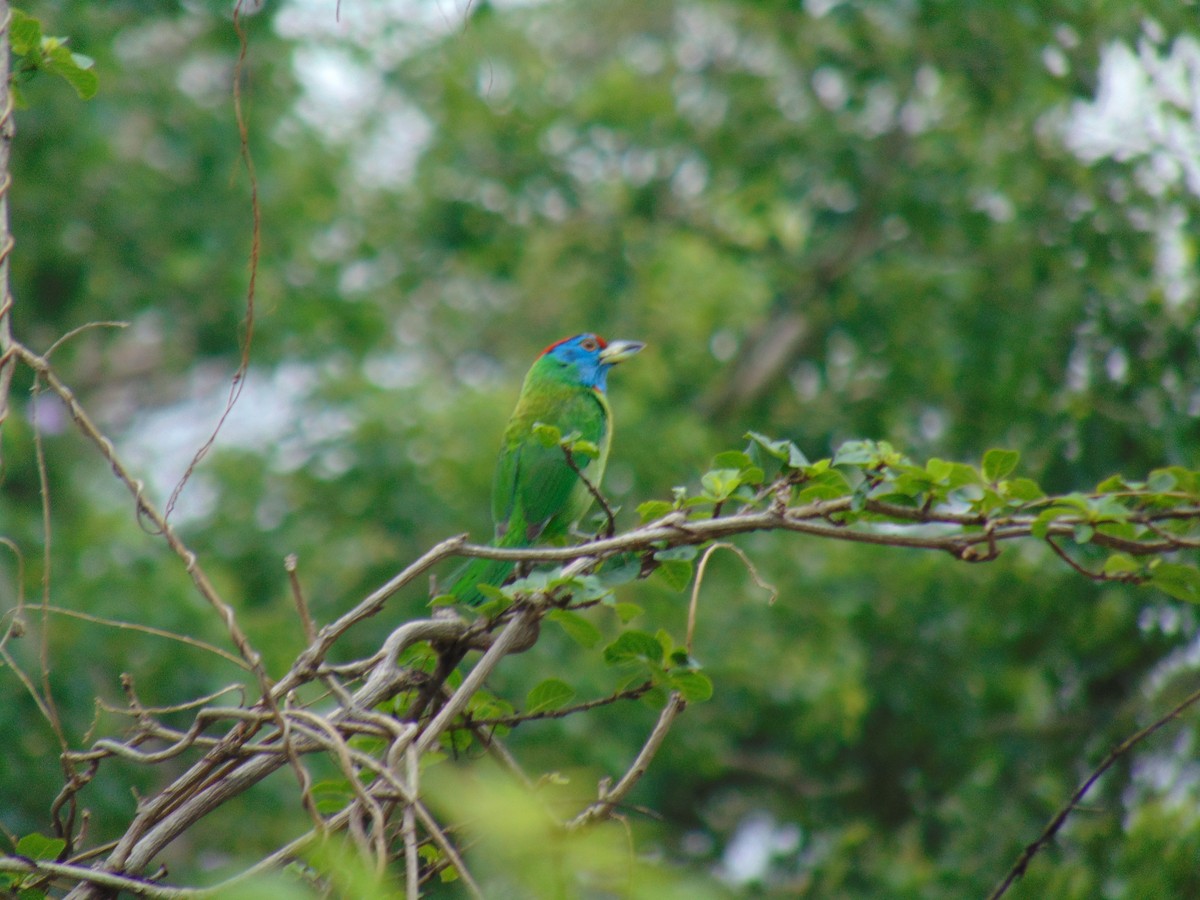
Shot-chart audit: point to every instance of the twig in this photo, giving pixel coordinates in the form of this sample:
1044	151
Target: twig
75	332
25	680
1128	577
561	713
1060	817
145	507
39	454
22	865
247	337
610	797
610	527
16	627
151	630
290	562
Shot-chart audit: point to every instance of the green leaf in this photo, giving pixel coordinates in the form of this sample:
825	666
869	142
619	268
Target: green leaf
1180	582
584	587
732	459
693	686
75	69
656	697
24	33
1024	490
1125	531
963	476
634	645
1172	478
676	573
913	482
584	448
547	435
666	642
1120	564
486	705
829	484
492	592
939	469
626	612
532	583
683	551
38	846
718	484
999	463
553	693
1114	483
457	741
579	629
856	453
785	451
331	794
497	601
1083	533
753	475
1066	507
620	570
654	509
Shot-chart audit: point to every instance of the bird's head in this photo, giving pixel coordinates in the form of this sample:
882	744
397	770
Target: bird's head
588	357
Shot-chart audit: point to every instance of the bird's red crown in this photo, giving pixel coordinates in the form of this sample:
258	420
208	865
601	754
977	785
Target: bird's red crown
600	342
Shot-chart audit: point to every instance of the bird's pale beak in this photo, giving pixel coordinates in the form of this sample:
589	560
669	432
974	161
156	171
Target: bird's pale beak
616	351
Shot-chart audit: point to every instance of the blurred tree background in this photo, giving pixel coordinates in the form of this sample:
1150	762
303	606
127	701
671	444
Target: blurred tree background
953	226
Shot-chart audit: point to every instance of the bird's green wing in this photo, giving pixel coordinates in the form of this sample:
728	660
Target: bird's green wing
536	493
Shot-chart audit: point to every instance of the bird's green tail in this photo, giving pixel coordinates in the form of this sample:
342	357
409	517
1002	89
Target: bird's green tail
465	582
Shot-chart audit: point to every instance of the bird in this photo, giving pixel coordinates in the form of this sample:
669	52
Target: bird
537	497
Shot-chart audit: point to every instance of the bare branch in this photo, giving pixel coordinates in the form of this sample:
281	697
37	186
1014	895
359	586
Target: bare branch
633	693
247	337
22	865
290	565
610	797
1060	817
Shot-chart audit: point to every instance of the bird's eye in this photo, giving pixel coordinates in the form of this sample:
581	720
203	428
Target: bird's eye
589	344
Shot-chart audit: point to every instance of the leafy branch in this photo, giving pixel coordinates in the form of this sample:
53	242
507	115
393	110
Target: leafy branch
866	492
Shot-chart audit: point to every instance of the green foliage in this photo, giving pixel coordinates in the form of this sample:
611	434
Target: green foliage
550	436
34	52
520	852
38	846
553	693
1179	581
582	631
